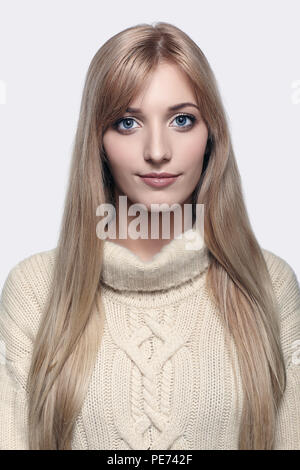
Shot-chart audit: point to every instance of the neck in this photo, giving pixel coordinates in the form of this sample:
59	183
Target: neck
178	262
158	228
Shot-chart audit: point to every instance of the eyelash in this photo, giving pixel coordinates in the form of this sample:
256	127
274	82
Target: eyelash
128	131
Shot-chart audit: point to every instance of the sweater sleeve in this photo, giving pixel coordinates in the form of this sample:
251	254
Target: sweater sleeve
287	290
16	304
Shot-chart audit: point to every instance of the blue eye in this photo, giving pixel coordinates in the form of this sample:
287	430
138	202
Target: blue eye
184	117
124	120
127	121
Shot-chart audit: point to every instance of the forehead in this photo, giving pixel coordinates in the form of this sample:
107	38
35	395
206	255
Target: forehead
167	85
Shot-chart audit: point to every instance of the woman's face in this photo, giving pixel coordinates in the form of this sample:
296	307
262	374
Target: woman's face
156	139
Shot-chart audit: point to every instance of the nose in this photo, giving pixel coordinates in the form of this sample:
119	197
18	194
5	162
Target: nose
157	147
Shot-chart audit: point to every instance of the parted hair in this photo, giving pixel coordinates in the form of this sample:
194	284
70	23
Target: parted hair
71	326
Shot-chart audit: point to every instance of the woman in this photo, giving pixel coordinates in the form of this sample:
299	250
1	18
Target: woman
125	343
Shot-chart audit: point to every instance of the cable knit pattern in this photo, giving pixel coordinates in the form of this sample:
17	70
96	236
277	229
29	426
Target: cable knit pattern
163	377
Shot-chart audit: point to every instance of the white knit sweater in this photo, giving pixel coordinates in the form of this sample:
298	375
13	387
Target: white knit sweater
163	377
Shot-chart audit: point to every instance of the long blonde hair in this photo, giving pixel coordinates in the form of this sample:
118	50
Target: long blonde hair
71	328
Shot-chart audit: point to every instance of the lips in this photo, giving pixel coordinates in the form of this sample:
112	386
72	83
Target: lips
159	182
158	175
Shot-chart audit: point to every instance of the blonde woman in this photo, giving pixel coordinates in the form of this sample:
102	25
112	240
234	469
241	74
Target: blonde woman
124	343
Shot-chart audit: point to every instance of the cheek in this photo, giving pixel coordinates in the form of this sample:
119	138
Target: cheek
191	151
121	156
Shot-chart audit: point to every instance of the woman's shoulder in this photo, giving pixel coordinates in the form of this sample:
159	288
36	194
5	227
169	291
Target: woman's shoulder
287	291
280	270
285	282
45	257
34	270
25	291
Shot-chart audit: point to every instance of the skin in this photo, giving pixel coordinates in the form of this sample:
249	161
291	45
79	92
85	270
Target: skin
157	140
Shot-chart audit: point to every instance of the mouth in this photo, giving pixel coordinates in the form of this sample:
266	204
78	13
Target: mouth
159	181
163	174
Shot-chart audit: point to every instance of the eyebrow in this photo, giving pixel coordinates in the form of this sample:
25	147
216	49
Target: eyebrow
171	108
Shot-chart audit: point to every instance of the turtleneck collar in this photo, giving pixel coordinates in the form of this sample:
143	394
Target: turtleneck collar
173	265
